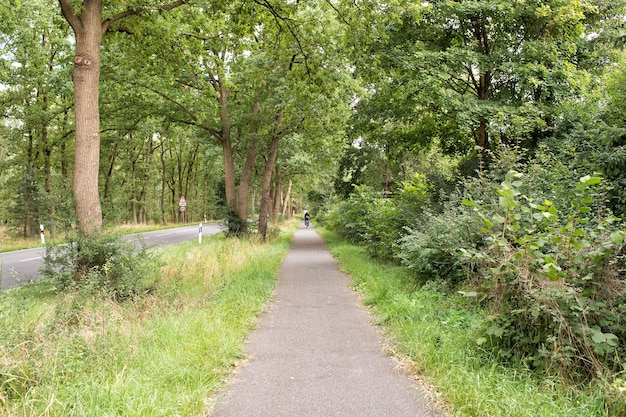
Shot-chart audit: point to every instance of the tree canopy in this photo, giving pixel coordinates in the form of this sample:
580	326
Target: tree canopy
227	103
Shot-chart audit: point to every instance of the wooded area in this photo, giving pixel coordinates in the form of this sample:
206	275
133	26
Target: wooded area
278	89
481	144
141	104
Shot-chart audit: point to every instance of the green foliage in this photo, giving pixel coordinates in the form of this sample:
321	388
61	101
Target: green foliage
540	249
431	250
162	354
235	225
552	277
101	264
611	152
368	219
379	222
434	331
29	208
492	71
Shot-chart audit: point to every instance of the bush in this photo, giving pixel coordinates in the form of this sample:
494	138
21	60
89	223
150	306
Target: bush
368	219
554	278
101	263
431	250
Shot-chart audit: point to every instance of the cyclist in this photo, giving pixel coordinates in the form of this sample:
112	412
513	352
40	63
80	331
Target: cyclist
307	218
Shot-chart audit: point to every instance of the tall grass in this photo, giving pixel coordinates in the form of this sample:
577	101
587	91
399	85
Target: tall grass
434	333
163	354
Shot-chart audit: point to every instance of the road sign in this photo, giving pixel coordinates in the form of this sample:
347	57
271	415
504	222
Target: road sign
182	203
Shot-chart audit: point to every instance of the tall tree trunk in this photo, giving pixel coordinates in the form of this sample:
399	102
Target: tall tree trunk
48	171
482	136
143	213
109	174
163	183
277	196
134	156
287	198
88	28
88	31
248	167
267	176
484	88
229	176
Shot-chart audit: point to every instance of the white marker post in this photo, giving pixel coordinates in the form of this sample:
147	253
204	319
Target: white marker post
182	203
43	237
200	235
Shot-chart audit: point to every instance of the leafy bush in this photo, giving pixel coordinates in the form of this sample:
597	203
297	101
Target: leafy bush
370	220
431	250
379	222
554	277
101	263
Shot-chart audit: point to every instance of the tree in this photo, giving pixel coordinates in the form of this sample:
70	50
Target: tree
494	69
245	75
34	99
89	25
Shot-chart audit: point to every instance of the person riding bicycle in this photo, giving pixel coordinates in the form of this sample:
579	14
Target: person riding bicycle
307	218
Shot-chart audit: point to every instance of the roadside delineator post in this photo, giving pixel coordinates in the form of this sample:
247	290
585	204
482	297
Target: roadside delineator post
43	237
200	234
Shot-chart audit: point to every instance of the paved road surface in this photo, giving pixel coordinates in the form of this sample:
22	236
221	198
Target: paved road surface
23	266
315	353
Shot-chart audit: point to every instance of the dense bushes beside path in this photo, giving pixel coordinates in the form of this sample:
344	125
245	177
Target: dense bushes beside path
533	243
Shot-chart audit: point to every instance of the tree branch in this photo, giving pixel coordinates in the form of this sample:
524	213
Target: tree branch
134	12
278	17
338	12
70	16
193	118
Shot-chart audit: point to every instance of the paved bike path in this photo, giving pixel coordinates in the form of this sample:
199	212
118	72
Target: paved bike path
314	352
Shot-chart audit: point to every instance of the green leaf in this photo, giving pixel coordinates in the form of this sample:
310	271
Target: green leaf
496	331
617	237
598	337
497	219
594	180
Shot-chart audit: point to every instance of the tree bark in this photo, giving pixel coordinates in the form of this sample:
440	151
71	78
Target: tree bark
287	197
88	30
267	177
246	173
163	183
277	196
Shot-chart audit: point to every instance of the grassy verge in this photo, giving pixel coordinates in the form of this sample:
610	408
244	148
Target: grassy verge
435	334
12	241
163	354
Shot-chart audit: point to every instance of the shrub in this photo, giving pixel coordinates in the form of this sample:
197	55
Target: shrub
553	278
368	219
431	250
101	263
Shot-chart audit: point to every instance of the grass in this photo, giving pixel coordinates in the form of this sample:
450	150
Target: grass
163	354
11	240
434	332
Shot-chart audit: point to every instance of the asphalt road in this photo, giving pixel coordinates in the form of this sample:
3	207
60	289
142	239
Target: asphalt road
315	353
20	267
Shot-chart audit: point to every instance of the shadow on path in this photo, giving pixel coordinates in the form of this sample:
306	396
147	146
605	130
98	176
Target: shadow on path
314	353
